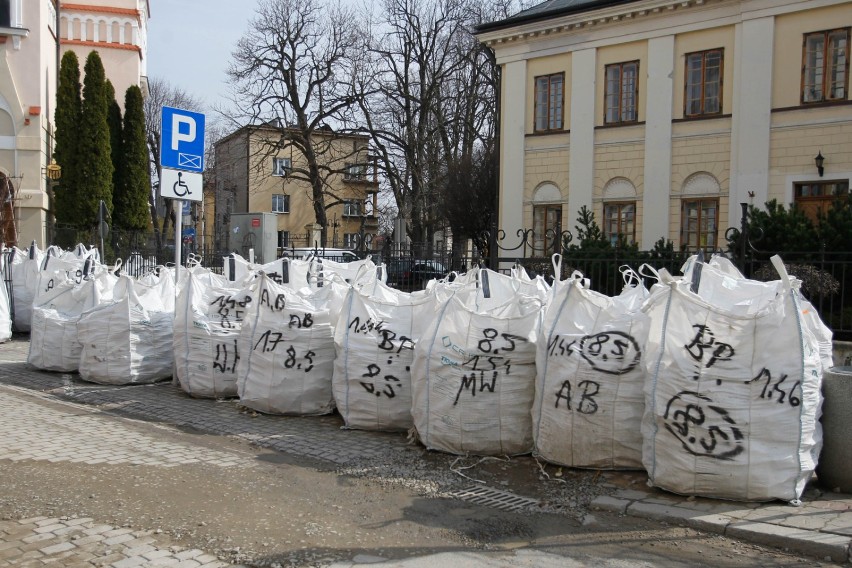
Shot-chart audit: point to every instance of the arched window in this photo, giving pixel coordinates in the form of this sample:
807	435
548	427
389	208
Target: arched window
699	225
547	219
619	211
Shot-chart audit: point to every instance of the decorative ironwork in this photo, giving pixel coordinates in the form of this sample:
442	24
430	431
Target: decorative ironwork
743	236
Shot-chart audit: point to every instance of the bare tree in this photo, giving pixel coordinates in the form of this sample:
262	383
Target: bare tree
292	70
162	93
409	55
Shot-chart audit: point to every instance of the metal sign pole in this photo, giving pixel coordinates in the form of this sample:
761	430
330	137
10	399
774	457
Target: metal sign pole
178	207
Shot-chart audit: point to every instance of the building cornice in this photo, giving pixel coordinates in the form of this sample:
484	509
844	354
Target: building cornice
102	10
595	21
103	45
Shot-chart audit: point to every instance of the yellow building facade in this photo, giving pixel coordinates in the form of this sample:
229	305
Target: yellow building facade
257	170
663	116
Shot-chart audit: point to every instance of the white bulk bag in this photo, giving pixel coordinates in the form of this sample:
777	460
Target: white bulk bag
732	399
287	352
25	269
473	377
5	304
128	341
357	272
375	339
589	398
208	318
56	310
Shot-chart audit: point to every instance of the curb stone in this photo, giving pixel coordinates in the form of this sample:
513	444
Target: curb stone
813	543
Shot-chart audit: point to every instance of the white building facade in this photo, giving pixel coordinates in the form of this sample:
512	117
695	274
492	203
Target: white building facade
29	56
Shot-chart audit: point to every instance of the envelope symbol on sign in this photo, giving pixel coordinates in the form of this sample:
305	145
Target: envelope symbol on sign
189	161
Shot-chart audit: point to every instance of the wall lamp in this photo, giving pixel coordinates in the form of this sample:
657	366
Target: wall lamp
819	160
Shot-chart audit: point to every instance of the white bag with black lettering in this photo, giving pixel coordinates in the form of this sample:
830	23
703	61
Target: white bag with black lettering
473	376
287	352
375	340
54	345
128	341
733	395
589	398
208	319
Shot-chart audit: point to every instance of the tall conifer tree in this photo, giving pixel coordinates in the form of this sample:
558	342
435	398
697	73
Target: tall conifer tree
67	121
131	196
94	157
114	121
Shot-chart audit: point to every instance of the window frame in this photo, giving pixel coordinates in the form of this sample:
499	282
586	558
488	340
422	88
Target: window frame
548	243
620	93
810	204
285	203
355	171
281	172
704	54
630	237
283	239
826	82
347	205
550	113
684	232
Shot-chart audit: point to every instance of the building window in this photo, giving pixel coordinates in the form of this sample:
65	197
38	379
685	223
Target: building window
703	90
283	239
699	223
352	207
622	92
815	198
350	240
825	66
620	221
548	102
280	203
355	172
547	228
280	166
5	13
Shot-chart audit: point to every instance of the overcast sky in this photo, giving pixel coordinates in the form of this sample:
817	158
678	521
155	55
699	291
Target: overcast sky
190	43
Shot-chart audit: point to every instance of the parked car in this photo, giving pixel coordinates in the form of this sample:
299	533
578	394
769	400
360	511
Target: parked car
413	274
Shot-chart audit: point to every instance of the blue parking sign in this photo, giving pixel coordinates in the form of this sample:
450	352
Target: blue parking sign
182	140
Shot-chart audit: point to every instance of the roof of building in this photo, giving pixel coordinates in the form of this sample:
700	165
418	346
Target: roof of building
549	9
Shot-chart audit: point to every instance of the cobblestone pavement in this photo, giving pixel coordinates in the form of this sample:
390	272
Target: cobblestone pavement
72	543
820	527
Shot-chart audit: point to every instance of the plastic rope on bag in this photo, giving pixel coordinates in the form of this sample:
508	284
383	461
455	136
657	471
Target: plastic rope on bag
375	340
732	399
54	344
589	388
473	377
208	320
287	352
128	341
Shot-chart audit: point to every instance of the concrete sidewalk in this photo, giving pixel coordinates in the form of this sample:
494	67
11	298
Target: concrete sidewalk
821	527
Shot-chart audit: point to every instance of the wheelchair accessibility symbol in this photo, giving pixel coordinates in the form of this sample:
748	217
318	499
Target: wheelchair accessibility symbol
180	188
181	185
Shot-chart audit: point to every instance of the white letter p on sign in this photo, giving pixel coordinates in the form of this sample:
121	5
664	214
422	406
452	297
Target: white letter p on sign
177	135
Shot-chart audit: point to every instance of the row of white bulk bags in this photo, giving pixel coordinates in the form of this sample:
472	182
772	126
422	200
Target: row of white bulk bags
56	310
590	378
128	341
287	349
375	338
209	315
733	389
473	374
